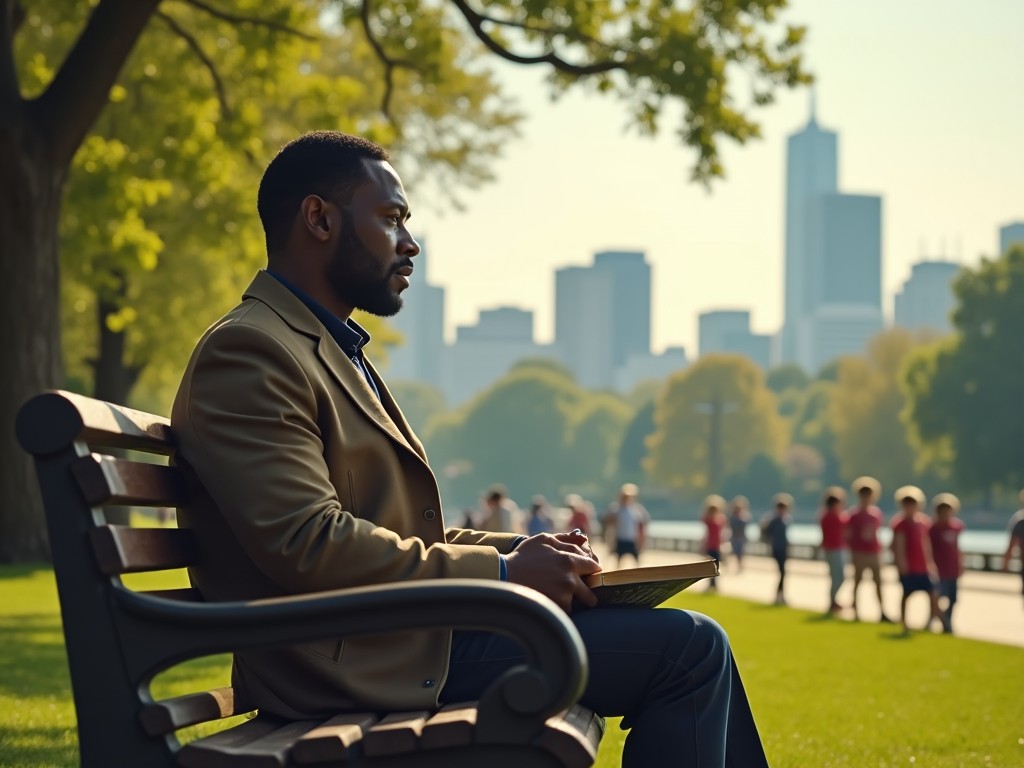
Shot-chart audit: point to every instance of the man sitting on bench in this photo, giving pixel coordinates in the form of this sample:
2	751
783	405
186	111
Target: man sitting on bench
306	477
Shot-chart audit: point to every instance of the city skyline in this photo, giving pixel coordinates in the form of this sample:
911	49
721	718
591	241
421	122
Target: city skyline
930	132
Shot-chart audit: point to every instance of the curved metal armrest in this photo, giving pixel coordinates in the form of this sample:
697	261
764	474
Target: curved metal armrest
162	632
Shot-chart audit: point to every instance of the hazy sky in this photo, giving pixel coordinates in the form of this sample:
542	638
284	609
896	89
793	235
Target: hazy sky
927	97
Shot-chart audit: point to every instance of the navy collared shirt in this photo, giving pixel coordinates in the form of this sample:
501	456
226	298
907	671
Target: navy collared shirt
347	334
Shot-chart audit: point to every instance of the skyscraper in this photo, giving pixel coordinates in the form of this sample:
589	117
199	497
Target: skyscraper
603	315
811	170
484	352
833	256
1010	234
728	330
421	323
926	300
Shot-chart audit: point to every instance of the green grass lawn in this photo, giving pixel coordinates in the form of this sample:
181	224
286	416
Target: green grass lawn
824	692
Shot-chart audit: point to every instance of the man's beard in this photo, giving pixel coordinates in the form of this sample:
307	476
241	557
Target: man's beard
352	275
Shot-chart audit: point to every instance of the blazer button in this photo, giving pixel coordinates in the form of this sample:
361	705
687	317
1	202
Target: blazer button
428	683
430	514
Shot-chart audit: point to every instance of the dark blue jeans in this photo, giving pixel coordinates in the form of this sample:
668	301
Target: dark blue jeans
669	674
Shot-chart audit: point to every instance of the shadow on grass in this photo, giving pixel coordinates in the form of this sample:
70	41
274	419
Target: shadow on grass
38	746
32	647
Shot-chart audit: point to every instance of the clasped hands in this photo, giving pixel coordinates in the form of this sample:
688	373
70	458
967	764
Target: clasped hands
554	564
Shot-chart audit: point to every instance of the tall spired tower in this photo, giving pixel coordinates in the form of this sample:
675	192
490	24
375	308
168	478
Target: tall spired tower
811	171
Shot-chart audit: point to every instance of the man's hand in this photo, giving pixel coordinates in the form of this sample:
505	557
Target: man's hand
553	565
580	539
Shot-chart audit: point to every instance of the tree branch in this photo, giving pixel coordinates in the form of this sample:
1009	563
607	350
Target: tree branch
390	64
548	32
477	21
67	109
255	21
184	34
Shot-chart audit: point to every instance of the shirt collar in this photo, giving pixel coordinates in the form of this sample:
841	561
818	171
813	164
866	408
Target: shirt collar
348	334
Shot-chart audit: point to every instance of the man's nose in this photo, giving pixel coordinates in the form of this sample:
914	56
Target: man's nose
408	246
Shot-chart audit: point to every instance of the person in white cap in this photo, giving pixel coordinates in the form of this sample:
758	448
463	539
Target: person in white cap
629	520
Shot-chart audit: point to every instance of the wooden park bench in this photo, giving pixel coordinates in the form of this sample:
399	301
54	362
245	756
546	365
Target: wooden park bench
118	639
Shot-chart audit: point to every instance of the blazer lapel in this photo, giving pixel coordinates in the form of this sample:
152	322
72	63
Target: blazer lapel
352	382
270	291
395	412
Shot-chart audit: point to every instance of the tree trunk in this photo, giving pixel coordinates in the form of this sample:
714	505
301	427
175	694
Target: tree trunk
30	197
113	376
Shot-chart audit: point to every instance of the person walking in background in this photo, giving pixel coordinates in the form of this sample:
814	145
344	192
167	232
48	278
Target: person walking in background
739	519
949	560
629	520
540	517
499	514
714	521
775	531
865	520
1016	545
912	551
833	521
580	514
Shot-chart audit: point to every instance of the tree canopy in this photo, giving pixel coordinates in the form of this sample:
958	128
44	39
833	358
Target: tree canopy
133	98
963	394
710	421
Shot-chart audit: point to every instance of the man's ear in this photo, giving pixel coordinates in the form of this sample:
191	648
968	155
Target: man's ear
318	217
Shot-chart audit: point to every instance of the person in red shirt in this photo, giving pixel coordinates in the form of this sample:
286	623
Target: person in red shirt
833	521
714	521
912	551
862	526
949	560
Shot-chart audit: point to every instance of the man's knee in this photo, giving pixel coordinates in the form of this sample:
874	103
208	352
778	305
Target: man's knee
704	637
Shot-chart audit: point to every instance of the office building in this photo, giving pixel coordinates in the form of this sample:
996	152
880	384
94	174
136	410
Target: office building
421	324
603	315
811	170
641	368
484	352
926	301
833	256
1009	234
729	331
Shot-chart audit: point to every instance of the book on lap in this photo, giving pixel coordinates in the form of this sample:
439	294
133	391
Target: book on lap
646	587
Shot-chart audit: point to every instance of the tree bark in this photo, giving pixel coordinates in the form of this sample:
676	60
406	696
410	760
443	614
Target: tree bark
38	139
30	198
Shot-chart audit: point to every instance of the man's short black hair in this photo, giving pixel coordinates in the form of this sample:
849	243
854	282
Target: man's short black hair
325	163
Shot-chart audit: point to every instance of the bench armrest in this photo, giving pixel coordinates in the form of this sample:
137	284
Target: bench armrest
160	632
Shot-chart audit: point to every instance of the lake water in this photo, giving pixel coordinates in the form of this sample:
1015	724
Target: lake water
980	542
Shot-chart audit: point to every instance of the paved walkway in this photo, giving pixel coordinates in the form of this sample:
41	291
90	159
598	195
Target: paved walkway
990	605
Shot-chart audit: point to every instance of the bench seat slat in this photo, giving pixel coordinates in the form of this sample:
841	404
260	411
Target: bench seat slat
396	734
453	726
122	549
334	741
573	737
264	745
159	718
111	481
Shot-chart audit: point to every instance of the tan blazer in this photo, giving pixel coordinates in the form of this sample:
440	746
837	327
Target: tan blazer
302	481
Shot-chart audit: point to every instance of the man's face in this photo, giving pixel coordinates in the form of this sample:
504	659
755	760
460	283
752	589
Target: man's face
864	494
908	505
371	265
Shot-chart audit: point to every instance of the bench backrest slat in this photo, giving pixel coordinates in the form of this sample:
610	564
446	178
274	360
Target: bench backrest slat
108	480
51	422
121	549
